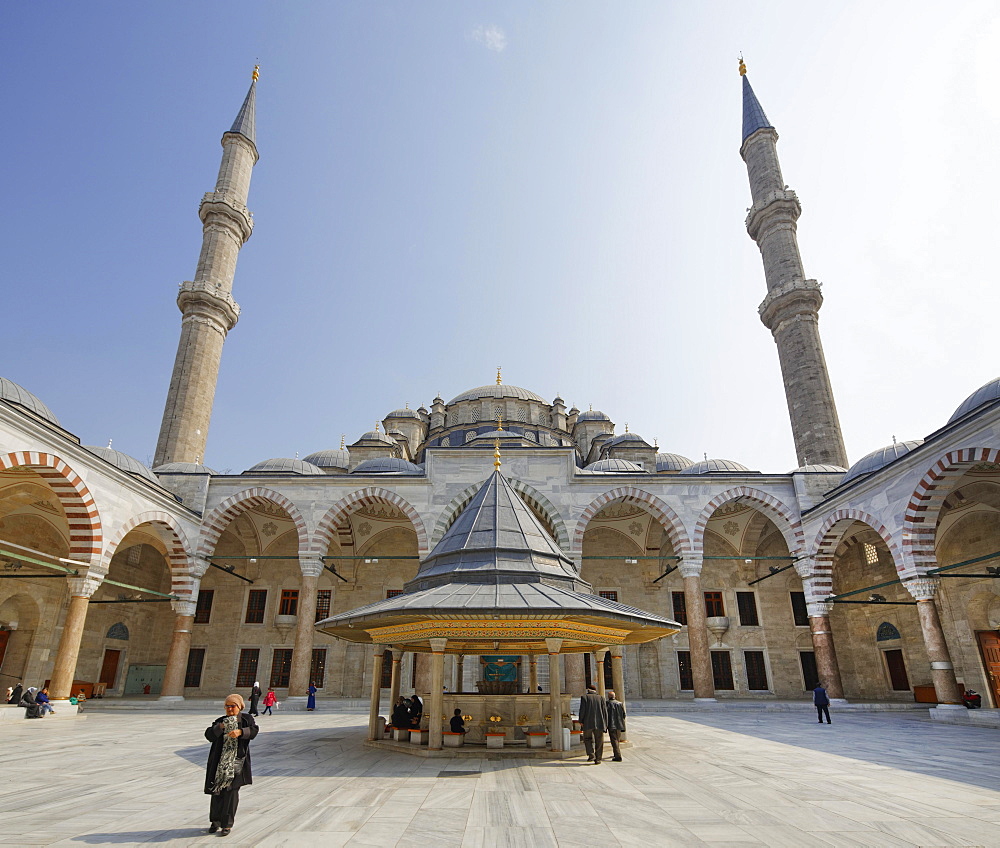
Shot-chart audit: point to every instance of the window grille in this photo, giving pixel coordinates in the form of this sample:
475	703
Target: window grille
246	670
386	681
680	607
203	610
756	670
392	593
747	605
871	554
475	414
195	663
497	413
317	671
800	614
684	671
323	598
470	436
256	603
722	670
134	555
281	668
608	595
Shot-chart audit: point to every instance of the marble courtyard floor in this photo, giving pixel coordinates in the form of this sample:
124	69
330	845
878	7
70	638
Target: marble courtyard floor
714	779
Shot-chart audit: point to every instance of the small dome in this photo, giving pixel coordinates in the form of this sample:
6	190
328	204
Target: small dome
879	459
183	468
387	465
337	458
666	462
403	413
13	393
123	461
715	466
818	469
625	438
615	466
376	436
984	394
284	465
495	391
592	415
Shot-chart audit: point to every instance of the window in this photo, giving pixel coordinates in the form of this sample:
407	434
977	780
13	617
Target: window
713	604
323	598
256	601
810	676
871	554
203	611
281	667
680	607
246	671
609	595
386	681
317	671
722	670
196	661
684	666
392	593
747	604
498	413
799	612
756	670
289	602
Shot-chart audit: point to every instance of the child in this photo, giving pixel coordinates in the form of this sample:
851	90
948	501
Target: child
270	699
458	723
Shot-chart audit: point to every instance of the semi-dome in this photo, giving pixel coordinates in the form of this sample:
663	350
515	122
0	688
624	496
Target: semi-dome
592	415
183	468
13	393
404	413
715	466
284	465
336	458
386	465
879	459
123	461
667	462
818	469
984	394
615	466
495	391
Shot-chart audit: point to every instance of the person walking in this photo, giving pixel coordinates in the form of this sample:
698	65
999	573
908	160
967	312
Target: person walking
616	725
311	700
822	703
594	718
270	699
228	766
255	694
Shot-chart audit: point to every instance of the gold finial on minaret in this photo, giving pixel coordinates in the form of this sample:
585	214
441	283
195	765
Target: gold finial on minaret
343	438
256	73
496	454
499	380
591	407
626	426
656	443
499	421
407	405
743	67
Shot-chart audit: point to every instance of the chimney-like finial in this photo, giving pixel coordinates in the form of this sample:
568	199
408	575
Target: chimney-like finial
499	379
743	67
256	73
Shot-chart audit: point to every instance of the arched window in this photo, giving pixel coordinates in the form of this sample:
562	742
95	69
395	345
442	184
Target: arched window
886	632
117	631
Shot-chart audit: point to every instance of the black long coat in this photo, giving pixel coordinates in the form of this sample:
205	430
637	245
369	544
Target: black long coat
214	735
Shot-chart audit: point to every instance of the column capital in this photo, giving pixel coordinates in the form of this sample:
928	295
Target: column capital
438	645
923	588
197	566
554	645
311	566
804	567
617	651
397	654
85	585
184	606
819	609
690	567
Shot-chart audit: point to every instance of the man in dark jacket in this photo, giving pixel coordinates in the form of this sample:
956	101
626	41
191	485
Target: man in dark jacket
616	724
594	718
822	703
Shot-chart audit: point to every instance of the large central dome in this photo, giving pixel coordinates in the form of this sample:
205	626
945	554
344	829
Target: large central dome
495	391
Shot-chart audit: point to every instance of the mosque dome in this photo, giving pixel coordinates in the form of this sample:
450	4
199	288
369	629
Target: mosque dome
818	469
879	459
123	461
397	433
13	393
666	462
404	413
330	458
495	391
386	465
592	415
615	466
624	438
984	394
715	466
284	465
183	468
376	436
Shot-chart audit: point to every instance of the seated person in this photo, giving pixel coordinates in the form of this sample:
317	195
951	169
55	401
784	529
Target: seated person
42	699
416	711
400	714
458	723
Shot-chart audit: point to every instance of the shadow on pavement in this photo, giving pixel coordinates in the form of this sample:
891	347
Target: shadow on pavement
131	837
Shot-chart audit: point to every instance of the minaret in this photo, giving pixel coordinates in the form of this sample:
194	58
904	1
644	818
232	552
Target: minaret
791	309
207	305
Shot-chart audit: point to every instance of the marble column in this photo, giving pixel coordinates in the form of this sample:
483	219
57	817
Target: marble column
555	694
599	655
827	667
180	645
436	701
64	669
576	677
460	673
698	639
618	672
942	670
533	674
397	659
305	619
376	692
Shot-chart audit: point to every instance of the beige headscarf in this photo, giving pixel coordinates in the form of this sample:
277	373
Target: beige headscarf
236	699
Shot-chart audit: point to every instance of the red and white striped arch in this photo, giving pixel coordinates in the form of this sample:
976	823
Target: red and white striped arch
784	517
220	518
660	510
179	550
319	545
828	538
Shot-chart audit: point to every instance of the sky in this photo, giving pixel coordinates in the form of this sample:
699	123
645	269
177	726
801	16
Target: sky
448	187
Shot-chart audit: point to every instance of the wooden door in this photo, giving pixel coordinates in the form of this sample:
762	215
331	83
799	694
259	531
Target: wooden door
4	636
897	671
109	668
989	645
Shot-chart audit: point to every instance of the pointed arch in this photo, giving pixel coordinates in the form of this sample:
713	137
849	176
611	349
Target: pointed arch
828	538
82	515
179	551
660	510
320	541
784	517
924	507
220	517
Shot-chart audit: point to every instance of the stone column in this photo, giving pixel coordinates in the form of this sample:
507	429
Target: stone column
599	655
618	677
305	619
460	673
698	640
555	694
576	677
64	669
942	670
436	705
180	645
376	692
397	658
827	666
533	674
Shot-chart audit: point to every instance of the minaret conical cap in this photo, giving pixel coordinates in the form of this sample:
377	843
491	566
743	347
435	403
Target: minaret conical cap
753	113
245	123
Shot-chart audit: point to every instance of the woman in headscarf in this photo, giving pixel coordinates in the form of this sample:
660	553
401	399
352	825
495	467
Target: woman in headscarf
228	763
15	695
255	694
31	709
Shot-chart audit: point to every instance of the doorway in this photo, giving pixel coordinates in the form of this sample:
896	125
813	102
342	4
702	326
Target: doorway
4	636
897	671
989	647
109	668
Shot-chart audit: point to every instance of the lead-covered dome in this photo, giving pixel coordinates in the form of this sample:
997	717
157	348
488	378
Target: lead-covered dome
592	415
376	436
877	459
715	466
818	469
495	391
404	413
123	461
386	465
671	462
183	468
284	465
984	394
615	466
336	458
624	439
13	393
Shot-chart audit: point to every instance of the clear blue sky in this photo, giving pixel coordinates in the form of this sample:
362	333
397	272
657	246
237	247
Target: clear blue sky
448	187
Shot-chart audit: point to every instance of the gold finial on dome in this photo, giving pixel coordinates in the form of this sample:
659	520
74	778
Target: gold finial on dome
343	438
496	454
591	407
499	421
743	67
376	427
626	426
256	73
499	378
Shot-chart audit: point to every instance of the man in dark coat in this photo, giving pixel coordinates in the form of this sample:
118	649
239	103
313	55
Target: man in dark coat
15	696
616	724
822	703
594	718
416	711
226	792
